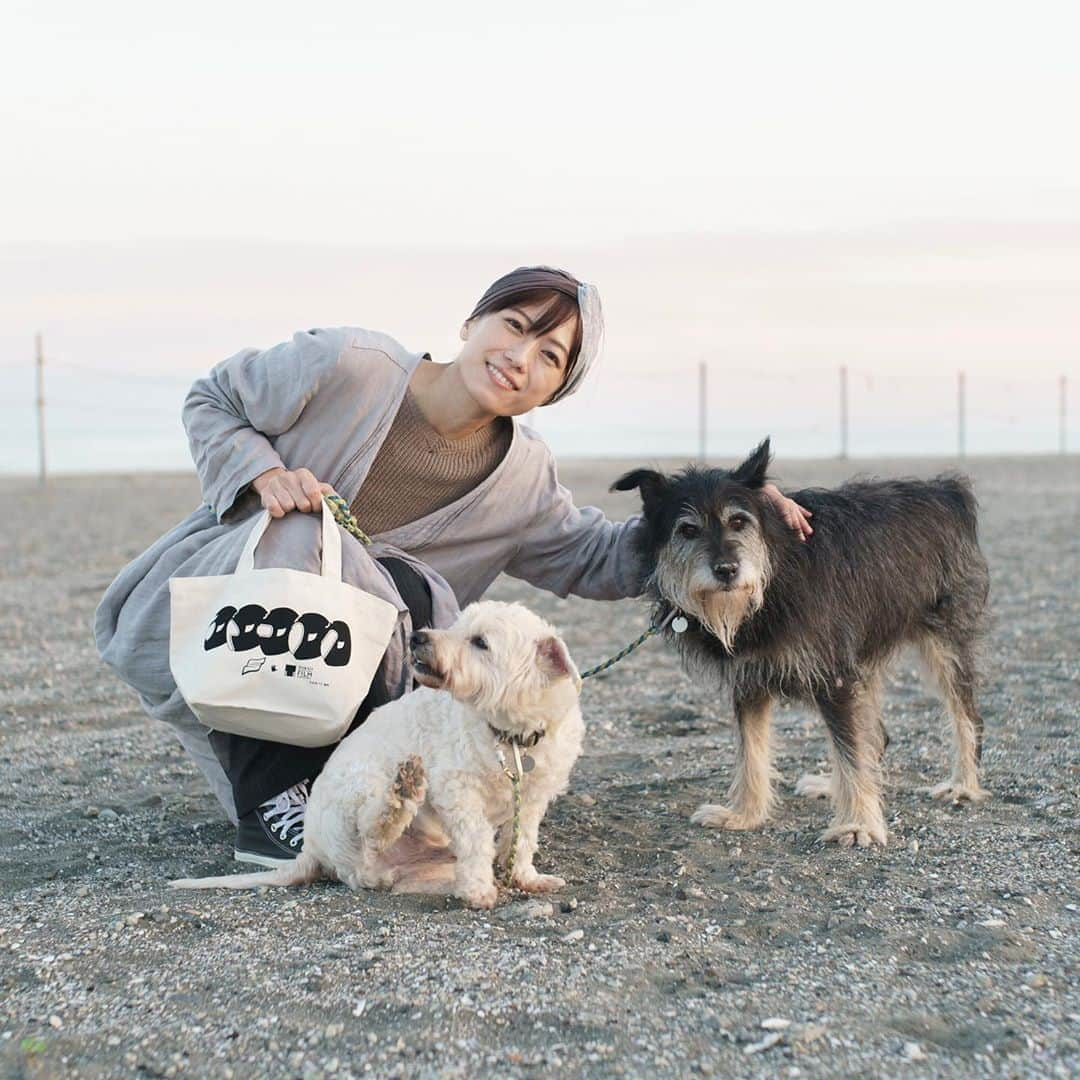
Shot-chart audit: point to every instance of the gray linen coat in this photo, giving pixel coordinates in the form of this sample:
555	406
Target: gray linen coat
325	401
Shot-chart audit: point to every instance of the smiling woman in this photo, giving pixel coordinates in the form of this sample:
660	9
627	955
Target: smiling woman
429	456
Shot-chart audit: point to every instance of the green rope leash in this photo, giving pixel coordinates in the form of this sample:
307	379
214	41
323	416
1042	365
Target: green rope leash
678	625
344	517
622	654
514	776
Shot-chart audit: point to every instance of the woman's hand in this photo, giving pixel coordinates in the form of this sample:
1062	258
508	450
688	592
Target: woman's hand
796	516
282	490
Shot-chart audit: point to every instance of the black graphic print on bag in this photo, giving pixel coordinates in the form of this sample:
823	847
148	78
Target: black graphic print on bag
278	631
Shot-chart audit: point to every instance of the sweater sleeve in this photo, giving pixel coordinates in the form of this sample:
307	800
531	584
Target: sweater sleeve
232	415
567	549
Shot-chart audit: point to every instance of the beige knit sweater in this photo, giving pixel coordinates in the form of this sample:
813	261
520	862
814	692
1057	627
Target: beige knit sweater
418	471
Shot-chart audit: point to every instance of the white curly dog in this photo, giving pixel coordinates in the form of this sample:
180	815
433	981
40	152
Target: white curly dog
417	799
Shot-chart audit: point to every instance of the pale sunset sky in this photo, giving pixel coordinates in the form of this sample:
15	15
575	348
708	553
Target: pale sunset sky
774	189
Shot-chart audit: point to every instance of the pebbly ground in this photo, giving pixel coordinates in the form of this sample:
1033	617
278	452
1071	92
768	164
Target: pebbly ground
673	949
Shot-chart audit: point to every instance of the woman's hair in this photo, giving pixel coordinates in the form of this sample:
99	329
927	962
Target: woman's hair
533	285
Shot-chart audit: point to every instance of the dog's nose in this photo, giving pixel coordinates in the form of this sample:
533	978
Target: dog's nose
418	639
725	571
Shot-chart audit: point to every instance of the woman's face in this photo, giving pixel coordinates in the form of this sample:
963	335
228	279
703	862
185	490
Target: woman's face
509	370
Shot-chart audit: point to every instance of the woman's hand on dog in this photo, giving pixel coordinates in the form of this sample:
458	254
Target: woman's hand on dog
282	490
796	516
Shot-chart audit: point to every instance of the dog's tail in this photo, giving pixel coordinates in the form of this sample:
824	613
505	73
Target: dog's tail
405	797
304	870
958	491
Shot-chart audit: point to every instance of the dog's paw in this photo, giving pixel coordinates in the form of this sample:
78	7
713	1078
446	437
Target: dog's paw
411	780
956	792
814	786
715	816
539	883
482	898
856	832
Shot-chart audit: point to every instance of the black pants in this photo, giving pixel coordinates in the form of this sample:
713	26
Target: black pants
258	770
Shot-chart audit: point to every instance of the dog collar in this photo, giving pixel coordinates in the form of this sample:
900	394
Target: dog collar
523	742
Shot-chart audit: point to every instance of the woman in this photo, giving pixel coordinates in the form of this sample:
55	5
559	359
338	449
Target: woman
451	489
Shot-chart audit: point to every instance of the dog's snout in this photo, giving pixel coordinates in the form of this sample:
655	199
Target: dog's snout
725	571
417	639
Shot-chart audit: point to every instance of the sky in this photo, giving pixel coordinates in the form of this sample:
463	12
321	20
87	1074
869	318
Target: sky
776	189
426	124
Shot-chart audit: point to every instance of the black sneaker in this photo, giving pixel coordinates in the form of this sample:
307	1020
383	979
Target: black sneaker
273	834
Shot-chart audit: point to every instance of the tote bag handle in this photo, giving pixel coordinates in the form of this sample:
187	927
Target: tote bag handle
331	544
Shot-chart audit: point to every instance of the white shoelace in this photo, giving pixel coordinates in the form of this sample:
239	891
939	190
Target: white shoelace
289	808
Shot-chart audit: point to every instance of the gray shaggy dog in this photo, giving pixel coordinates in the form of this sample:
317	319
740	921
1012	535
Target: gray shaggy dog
890	562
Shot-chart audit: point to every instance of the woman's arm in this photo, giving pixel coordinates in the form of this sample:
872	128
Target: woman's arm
232	414
567	549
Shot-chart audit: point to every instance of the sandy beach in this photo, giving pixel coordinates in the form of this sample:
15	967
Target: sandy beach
673	950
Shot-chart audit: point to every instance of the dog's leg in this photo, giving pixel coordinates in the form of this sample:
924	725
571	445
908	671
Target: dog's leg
380	820
750	794
953	669
405	798
820	785
464	816
853	715
883	738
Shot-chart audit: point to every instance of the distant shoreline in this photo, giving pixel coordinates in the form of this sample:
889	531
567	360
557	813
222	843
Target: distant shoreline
569	462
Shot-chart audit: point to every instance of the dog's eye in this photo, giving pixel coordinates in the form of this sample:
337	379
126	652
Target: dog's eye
737	521
478	643
688	531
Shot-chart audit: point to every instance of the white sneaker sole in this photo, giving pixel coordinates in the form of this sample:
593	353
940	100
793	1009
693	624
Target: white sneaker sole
261	860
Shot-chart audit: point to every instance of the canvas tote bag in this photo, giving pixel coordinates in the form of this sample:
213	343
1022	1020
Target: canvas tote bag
277	654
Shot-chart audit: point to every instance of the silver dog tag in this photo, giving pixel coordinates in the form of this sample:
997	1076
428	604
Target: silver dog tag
680	624
527	763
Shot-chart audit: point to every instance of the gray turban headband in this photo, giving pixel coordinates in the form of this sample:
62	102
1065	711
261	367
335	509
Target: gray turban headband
592	335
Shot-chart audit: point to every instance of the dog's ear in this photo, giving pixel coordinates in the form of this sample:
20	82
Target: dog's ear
753	472
554	658
652	485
